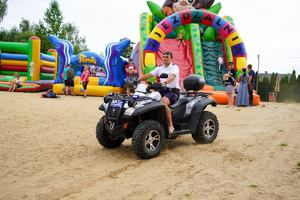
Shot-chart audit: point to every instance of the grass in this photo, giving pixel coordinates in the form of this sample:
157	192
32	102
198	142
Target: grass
298	164
296	147
255	186
188	195
238	110
280	130
250	145
271	156
283	144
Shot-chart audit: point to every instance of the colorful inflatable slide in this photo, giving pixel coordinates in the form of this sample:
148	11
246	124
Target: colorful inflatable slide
158	33
37	70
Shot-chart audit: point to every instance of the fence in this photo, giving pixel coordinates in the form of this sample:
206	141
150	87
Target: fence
286	93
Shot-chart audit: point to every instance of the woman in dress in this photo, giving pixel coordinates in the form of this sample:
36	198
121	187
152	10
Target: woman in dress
242	96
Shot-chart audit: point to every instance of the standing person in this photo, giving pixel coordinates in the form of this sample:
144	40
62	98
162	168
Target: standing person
229	80
232	70
85	78
251	74
17	83
229	83
69	83
130	72
220	61
242	95
180	38
15	74
172	82
93	71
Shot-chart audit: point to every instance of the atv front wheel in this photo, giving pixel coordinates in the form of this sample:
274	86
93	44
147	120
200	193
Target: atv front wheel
106	139
207	129
148	139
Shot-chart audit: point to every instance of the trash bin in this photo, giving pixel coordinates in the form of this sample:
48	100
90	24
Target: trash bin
272	97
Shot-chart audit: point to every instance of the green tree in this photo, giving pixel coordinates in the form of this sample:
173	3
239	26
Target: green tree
273	79
298	80
284	80
25	25
256	77
52	25
3	9
293	79
127	52
266	80
72	35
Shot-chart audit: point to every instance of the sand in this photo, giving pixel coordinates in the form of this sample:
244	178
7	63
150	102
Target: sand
49	151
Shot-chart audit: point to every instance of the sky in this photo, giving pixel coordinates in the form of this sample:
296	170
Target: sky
268	27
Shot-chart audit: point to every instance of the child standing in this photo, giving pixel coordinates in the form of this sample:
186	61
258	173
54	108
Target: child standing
180	38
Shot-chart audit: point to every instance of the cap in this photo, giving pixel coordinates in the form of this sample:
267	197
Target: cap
130	59
244	67
18	75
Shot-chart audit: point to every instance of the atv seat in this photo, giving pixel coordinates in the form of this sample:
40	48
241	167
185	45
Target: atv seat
182	100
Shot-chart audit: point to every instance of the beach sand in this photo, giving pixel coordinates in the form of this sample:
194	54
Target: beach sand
49	151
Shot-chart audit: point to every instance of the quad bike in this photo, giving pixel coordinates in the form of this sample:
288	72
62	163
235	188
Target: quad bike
143	117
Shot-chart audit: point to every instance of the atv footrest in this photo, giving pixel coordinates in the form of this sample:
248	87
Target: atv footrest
180	126
179	132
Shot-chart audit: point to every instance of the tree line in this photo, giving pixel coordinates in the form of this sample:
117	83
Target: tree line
52	24
293	81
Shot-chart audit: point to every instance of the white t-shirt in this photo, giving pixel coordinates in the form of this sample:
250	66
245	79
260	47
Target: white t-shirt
171	69
93	69
220	60
18	81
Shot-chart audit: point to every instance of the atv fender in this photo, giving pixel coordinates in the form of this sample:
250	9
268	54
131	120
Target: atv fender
101	107
197	110
155	110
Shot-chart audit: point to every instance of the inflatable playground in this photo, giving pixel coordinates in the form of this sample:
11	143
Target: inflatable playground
110	71
158	33
206	36
37	70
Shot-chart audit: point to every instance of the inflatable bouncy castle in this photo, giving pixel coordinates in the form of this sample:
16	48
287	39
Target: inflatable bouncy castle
37	70
206	35
112	67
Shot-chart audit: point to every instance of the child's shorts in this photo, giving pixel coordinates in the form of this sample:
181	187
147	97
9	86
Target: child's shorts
19	85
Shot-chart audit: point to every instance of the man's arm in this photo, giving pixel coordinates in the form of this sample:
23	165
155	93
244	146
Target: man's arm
250	78
171	78
63	75
145	77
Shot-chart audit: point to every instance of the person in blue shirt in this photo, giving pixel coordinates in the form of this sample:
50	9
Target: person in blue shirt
251	80
69	83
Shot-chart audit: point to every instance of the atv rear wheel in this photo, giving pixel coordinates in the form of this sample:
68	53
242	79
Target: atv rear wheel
148	139
104	138
207	129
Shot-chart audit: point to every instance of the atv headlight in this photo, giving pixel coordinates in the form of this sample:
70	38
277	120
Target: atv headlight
105	105
129	111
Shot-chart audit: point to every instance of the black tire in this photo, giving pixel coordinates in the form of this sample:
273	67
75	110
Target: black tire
104	138
146	147
207	129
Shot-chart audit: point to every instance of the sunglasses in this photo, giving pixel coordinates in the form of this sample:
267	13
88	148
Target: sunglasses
166	56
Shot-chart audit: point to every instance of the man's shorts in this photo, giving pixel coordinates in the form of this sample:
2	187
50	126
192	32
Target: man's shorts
19	85
229	89
69	82
173	97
